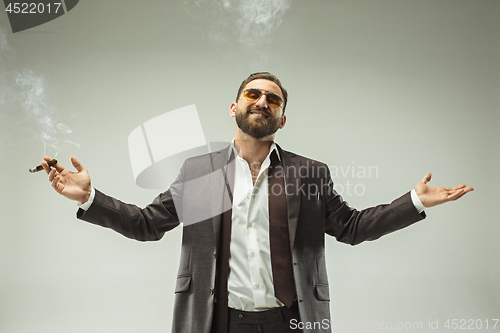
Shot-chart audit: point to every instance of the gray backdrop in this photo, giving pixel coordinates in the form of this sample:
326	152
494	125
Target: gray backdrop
405	87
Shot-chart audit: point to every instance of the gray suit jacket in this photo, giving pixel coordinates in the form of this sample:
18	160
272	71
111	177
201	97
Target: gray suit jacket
314	208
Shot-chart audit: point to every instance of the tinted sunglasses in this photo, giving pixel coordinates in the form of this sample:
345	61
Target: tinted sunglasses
253	95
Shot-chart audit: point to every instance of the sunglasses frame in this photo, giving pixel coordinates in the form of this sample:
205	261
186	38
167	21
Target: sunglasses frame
263	92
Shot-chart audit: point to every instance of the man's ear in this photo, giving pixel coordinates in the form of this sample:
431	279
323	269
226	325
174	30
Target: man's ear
232	110
283	121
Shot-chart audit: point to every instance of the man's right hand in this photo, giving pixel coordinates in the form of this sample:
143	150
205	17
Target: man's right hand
72	185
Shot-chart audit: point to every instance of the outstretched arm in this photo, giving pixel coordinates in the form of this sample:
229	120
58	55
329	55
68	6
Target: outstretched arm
72	185
433	196
149	223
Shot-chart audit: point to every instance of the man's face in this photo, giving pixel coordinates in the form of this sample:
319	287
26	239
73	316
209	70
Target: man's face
257	118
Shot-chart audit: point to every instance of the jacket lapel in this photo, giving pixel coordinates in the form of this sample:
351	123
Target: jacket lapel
292	186
219	198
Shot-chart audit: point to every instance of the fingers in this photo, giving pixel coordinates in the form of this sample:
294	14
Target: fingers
460	192
78	166
54	179
47	168
44	164
52	174
468	189
461	195
463	187
456	195
59	167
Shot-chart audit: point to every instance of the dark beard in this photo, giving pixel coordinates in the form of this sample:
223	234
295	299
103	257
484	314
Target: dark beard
258	127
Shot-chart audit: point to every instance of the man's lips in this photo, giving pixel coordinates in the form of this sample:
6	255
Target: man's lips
259	113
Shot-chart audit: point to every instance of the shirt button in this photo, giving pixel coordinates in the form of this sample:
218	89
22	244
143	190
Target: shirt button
240	316
250	225
252	254
257	286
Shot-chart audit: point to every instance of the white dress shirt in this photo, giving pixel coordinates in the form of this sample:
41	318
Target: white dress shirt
250	282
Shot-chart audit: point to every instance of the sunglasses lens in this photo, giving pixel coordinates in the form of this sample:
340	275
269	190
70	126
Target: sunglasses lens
273	100
252	94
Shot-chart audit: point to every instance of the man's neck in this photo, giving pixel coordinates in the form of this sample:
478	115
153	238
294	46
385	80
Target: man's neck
251	149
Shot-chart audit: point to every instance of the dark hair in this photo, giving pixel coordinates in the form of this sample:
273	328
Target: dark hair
264	76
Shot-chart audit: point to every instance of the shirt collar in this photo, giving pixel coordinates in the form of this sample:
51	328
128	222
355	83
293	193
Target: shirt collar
232	149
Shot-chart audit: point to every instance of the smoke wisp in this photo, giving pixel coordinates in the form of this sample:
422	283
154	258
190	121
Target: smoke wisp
238	26
26	112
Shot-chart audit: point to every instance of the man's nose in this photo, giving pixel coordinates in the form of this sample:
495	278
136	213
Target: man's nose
262	102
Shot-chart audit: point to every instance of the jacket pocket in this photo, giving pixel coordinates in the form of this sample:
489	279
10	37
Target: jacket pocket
322	292
183	284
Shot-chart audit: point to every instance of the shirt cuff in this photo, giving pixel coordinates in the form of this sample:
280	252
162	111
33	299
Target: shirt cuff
416	201
86	205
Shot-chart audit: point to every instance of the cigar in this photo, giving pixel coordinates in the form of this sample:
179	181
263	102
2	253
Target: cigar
40	167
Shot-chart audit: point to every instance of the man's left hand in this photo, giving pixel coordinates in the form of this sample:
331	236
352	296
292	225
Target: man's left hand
433	196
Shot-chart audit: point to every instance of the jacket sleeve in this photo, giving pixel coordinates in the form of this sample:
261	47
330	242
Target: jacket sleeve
353	226
143	224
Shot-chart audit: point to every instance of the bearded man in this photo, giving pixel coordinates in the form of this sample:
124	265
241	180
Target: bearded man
255	261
